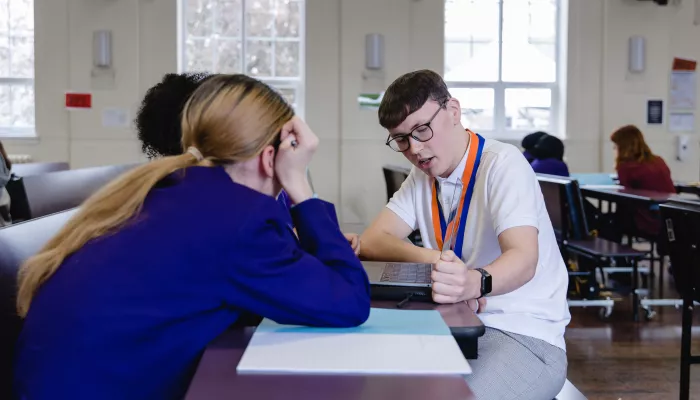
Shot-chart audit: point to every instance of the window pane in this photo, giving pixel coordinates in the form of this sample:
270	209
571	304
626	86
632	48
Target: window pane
528	108
529	37
477	107
199	17
4	15
22	105
229	60
22	57
199	55
259	58
288	18
260	18
471	62
5	106
287	59
21	16
471	40
228	18
4	56
289	95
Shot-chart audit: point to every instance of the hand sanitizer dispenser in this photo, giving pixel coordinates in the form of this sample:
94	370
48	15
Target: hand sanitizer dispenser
682	147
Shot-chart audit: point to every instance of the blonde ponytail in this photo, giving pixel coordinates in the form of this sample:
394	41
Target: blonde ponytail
105	211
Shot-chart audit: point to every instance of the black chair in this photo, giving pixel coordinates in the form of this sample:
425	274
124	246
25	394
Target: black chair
682	222
39	195
393	178
565	206
17	243
30	169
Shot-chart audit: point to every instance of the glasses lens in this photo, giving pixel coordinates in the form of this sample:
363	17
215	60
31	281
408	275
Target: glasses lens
423	133
399	144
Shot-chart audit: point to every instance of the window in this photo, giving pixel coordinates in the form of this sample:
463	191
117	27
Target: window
261	38
501	62
17	68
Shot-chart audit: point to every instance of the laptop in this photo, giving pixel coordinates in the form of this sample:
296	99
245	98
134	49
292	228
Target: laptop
403	280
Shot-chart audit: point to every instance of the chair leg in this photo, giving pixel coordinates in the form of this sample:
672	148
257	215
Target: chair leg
685	345
635	297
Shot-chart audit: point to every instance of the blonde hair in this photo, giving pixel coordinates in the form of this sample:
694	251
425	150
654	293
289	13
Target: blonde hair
229	118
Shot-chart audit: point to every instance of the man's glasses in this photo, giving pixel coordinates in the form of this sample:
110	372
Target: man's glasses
422	133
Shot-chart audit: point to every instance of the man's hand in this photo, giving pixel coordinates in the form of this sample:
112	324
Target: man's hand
453	281
354	240
477	305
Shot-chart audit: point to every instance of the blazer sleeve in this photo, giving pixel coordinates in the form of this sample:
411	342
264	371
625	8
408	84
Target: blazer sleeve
316	280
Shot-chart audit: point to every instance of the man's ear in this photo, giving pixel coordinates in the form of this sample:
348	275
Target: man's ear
267	161
454	109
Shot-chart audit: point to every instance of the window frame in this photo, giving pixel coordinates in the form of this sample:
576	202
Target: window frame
8	81
499	87
298	84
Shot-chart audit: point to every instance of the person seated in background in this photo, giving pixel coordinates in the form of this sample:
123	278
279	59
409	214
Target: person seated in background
549	156
5	167
159	131
122	302
638	168
529	142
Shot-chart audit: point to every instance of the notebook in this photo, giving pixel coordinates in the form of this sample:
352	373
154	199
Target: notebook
405	342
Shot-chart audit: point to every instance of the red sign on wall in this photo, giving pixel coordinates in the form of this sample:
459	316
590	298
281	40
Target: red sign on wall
78	100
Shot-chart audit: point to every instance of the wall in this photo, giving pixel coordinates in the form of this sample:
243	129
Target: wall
347	168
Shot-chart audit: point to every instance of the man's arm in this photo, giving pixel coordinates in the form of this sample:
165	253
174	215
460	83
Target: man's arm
385	240
512	269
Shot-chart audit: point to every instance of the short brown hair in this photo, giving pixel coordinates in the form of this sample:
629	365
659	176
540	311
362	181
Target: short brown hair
631	145
408	93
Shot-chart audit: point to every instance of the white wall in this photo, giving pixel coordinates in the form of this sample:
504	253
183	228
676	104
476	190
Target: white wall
347	169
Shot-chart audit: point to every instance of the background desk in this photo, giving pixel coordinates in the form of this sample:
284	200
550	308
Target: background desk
216	376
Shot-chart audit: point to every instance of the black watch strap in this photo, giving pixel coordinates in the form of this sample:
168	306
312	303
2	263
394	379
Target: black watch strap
485	282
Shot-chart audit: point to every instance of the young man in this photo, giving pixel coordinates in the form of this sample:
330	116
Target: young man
504	245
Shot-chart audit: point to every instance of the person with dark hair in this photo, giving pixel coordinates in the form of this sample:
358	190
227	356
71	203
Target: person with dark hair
548	155
158	125
503	259
529	142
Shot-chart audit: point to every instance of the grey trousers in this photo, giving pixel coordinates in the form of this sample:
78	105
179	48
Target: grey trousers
512	366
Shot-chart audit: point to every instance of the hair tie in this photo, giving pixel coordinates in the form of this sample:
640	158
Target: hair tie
196	153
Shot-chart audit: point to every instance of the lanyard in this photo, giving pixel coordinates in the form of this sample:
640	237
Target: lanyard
440	227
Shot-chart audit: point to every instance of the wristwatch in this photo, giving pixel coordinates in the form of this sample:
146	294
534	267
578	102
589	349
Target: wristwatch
485	282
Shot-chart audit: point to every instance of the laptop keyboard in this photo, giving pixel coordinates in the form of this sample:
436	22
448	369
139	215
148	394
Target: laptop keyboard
409	273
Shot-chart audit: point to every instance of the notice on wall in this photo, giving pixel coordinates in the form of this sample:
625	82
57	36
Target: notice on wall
683	85
655	111
681	122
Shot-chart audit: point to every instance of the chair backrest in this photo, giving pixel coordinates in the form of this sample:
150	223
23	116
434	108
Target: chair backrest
59	191
682	222
394	177
579	222
29	169
555	193
17	243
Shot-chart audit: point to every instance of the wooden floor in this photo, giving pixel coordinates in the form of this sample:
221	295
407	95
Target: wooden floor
620	359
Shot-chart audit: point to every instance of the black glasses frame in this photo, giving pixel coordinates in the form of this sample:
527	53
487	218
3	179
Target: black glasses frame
397	147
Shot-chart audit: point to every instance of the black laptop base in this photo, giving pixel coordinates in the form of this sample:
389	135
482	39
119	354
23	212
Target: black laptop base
398	293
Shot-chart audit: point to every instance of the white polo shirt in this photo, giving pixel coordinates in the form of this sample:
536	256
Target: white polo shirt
506	194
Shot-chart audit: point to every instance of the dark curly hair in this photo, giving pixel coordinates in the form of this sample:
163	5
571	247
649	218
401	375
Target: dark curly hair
158	122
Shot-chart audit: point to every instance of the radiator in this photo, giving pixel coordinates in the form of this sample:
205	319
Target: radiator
20	158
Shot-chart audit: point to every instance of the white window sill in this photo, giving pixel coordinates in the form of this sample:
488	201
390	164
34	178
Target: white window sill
18	133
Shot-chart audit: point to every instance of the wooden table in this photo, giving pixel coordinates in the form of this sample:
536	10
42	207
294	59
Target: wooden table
216	376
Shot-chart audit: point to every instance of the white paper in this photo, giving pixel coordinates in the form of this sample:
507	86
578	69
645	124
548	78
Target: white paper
683	90
308	353
681	122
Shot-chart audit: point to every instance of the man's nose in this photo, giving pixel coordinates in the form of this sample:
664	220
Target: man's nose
415	146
